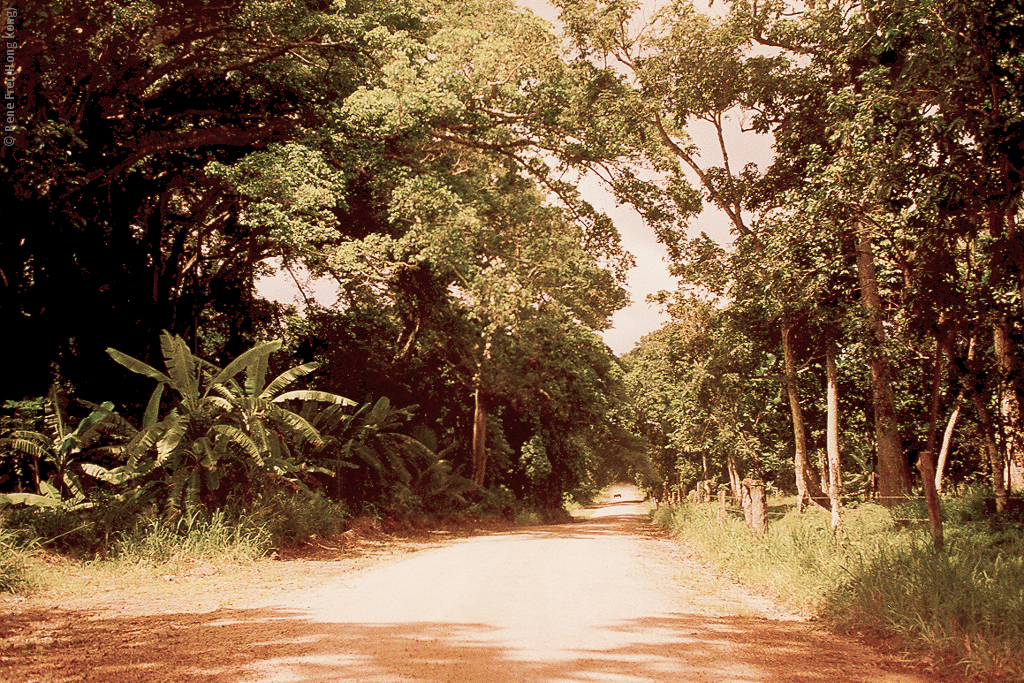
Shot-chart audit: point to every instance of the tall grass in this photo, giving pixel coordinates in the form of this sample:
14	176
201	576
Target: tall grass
202	538
12	563
961	609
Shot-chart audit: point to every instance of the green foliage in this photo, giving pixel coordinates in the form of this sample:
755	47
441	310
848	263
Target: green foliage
960	608
88	530
705	389
375	463
18	470
57	452
495	501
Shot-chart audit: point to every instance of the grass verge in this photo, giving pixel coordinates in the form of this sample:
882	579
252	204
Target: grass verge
960	610
44	548
13	556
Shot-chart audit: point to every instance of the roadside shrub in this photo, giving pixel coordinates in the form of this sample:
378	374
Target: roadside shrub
82	532
56	528
498	501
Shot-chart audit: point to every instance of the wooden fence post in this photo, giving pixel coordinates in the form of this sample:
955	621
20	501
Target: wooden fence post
721	507
754	503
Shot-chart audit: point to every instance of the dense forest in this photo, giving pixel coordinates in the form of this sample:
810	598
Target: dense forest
859	336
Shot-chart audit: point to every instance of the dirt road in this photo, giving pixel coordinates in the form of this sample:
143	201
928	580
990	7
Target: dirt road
605	600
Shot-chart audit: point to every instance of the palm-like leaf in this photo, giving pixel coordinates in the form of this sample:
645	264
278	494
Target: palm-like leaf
171	438
152	414
223	427
27	443
246	360
87	430
112	418
54	417
297	423
30	499
218	403
286	378
141	444
137	366
241	440
117	475
256	375
311	395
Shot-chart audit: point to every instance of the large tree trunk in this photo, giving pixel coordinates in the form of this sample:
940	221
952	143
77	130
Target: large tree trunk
807	486
835	475
1009	403
479	438
893	470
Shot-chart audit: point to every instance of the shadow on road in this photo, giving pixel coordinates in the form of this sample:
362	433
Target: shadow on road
220	647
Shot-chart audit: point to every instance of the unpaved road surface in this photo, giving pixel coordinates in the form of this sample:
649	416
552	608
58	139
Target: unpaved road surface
606	599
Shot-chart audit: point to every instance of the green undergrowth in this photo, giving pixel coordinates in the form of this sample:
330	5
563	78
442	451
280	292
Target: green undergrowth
959	610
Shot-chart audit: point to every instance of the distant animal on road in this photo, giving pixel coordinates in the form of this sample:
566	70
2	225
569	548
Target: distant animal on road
617	495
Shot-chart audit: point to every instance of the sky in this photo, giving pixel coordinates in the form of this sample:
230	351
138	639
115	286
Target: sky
650	275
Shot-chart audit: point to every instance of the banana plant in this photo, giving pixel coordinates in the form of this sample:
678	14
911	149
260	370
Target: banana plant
229	429
59	447
403	467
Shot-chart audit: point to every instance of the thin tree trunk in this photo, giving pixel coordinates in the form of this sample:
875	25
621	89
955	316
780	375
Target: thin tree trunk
734	478
823	470
480	418
479	438
806	480
893	470
947	435
704	462
947	439
835	475
926	458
